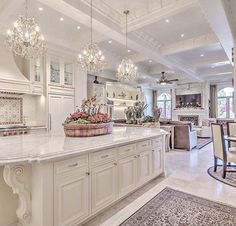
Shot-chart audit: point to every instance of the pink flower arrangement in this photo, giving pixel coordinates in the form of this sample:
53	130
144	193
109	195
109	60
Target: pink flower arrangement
88	113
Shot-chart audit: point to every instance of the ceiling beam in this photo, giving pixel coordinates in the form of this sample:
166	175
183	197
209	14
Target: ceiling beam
217	19
188	44
160	14
206	61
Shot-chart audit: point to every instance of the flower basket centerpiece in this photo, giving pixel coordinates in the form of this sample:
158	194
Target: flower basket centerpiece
88	121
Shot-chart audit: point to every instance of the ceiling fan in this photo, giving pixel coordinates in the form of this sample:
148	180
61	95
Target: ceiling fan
164	81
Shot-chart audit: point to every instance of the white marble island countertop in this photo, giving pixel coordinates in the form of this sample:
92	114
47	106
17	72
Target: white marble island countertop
45	146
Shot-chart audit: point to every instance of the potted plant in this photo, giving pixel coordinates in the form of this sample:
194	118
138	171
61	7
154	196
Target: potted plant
88	120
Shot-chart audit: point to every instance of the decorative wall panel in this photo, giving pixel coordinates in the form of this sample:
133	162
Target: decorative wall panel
11	110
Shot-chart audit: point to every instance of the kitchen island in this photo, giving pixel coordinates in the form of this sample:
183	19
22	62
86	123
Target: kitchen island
62	181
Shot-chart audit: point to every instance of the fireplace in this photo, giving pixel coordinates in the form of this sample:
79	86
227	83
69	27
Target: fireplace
190	118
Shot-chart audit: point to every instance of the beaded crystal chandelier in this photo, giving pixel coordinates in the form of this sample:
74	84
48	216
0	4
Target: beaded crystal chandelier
91	59
127	71
25	38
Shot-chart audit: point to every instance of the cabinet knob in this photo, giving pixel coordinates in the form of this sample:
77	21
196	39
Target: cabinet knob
88	173
115	163
135	156
153	150
138	156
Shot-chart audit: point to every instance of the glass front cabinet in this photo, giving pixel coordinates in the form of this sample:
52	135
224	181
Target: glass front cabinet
36	76
60	72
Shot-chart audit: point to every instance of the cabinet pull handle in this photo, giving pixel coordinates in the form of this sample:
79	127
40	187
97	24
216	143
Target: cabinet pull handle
135	156
50	122
104	156
88	173
153	150
115	163
73	165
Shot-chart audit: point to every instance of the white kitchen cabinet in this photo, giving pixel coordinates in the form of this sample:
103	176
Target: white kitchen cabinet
71	198
157	161
104	186
144	167
60	108
60	72
126	175
71	193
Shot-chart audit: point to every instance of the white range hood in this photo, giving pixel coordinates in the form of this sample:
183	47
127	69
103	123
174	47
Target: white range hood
11	78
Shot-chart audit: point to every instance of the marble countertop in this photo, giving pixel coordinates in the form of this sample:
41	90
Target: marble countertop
46	146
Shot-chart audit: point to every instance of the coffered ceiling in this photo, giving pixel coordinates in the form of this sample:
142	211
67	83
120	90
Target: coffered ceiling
190	39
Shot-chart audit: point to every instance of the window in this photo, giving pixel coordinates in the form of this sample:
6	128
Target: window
164	102
225	101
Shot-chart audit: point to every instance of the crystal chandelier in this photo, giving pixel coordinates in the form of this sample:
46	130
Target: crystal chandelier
25	38
127	71
91	58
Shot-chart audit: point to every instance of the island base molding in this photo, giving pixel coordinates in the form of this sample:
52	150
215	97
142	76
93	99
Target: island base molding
72	190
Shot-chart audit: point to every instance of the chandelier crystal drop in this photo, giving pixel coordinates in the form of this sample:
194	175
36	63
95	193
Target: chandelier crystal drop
91	59
25	39
127	71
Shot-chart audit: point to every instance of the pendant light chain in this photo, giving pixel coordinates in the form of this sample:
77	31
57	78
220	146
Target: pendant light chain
91	21
126	31
26	8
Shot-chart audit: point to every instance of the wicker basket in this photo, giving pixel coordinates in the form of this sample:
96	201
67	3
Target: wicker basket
87	130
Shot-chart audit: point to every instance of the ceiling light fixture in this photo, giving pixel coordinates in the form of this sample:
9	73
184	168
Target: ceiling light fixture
25	38
167	21
150	61
128	50
127	71
182	35
78	27
91	58
40	8
61	19
110	41
202	55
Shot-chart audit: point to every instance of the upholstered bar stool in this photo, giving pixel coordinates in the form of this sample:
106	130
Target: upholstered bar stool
219	148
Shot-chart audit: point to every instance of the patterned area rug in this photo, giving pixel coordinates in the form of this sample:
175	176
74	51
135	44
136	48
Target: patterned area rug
202	142
230	178
175	208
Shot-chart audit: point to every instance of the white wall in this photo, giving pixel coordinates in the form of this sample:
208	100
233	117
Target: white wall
80	86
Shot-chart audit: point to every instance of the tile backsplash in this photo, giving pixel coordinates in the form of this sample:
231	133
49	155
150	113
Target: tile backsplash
11	110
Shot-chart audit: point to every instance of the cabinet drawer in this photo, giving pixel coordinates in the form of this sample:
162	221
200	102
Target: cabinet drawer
144	145
126	150
103	156
71	164
157	142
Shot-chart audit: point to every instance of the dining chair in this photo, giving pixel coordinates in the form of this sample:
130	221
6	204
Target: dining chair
219	149
231	131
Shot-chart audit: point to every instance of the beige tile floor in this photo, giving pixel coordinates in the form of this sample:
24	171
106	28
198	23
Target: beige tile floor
185	171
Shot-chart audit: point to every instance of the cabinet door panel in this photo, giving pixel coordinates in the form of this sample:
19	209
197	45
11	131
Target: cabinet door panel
71	198
157	166
103	186
126	175
144	167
